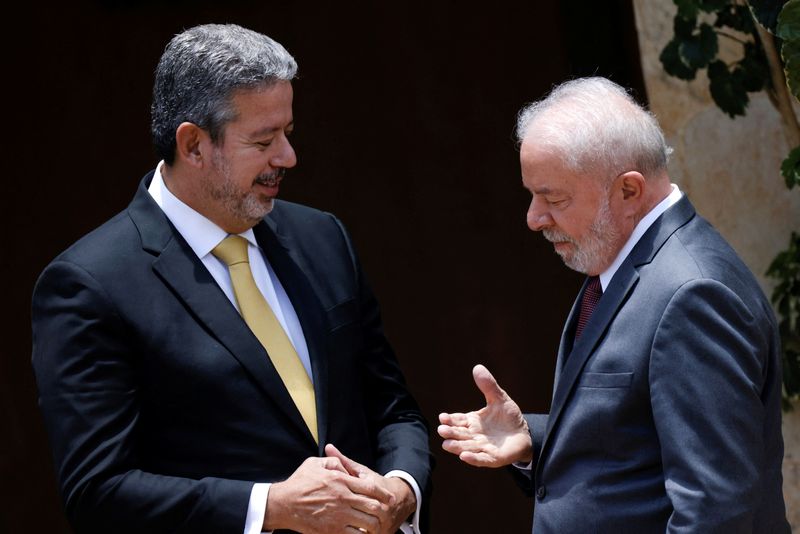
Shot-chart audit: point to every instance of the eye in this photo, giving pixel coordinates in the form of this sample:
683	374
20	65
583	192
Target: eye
263	144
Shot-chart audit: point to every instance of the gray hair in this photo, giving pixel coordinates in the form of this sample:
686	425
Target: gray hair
594	125
200	71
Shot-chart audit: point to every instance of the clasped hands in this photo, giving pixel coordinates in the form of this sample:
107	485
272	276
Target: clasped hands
494	436
337	494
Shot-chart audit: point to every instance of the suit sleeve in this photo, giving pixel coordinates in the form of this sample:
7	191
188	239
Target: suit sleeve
537	424
706	375
86	371
397	426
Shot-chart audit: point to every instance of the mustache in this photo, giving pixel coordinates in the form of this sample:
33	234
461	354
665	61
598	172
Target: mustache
271	179
556	236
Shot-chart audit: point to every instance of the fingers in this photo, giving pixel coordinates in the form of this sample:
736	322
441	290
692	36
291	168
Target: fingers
456	447
360	522
368	506
366	482
471	452
455	432
333	463
488	385
478	459
453	419
370	487
351	466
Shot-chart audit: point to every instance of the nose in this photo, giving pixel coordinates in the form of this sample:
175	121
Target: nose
285	156
538	217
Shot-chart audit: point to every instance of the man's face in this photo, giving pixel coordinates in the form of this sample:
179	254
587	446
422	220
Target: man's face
249	161
571	209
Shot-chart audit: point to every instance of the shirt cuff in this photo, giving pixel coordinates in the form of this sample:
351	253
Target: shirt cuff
257	508
413	526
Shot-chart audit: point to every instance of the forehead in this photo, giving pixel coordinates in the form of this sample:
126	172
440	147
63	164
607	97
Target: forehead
543	169
545	173
263	108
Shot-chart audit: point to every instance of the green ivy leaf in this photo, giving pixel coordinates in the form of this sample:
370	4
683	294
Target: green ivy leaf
786	296
684	28
688	9
790	51
673	64
790	168
788	27
735	17
727	90
700	49
712	6
791	364
753	67
766	12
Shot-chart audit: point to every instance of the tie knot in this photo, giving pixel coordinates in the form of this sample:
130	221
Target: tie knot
593	287
232	250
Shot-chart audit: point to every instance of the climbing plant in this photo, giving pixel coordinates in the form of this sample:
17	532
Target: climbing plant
766	35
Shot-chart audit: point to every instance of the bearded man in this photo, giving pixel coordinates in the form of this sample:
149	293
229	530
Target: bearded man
666	408
212	358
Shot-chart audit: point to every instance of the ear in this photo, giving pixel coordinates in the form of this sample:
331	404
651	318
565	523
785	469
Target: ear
192	144
629	191
632	185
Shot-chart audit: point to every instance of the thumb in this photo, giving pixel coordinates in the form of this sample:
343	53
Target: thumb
488	385
353	468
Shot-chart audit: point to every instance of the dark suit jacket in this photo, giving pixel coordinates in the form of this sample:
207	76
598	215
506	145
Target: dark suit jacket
666	412
162	407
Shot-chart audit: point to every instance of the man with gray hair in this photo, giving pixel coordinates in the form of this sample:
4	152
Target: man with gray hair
666	407
212	359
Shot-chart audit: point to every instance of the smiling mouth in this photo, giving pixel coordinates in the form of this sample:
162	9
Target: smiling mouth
272	179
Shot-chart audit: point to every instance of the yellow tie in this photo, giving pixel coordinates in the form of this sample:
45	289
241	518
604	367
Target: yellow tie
262	321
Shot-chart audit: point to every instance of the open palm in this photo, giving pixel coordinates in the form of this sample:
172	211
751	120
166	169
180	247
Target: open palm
494	436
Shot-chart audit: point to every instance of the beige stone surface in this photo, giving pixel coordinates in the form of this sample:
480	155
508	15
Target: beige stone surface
730	168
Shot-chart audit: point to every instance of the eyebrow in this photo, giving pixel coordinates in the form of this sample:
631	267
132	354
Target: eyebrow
271	129
547	191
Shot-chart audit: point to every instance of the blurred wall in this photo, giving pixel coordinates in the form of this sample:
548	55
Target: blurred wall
404	117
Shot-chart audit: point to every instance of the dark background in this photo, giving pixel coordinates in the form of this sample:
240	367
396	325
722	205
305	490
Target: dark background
404	116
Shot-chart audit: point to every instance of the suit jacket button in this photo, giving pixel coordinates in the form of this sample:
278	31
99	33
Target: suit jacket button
541	491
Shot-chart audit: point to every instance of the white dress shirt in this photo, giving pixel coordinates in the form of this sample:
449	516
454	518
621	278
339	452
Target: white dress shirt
202	236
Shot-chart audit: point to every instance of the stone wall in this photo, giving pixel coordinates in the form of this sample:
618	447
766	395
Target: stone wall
731	171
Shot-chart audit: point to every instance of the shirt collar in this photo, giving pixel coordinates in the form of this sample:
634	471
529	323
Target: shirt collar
674	196
200	233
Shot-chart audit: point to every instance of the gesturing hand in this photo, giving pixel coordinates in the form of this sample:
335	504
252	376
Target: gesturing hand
494	436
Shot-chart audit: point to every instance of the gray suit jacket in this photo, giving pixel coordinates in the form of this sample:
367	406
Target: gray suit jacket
666	413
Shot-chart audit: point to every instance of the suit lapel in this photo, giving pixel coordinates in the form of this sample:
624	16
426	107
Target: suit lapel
568	335
291	268
613	298
180	268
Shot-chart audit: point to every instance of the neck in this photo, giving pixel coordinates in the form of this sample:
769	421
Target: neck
659	188
185	186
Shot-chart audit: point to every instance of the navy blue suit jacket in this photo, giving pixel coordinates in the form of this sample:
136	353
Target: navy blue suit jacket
161	405
666	412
